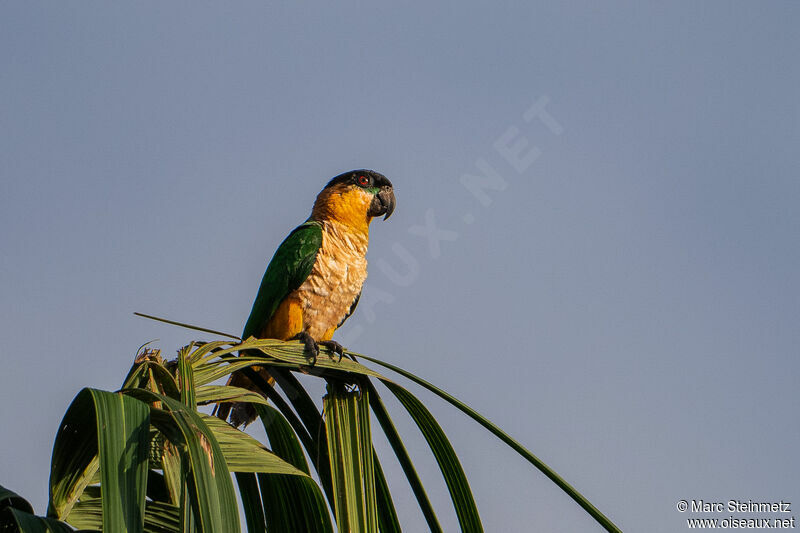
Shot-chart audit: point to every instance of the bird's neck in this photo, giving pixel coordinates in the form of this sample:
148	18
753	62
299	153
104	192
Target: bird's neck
344	208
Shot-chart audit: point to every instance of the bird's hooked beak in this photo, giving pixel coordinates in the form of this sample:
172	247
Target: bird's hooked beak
383	203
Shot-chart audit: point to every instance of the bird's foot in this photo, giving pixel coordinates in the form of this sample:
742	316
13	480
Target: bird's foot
311	346
334	347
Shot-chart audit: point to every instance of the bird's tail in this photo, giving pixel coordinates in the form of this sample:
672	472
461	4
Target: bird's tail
242	413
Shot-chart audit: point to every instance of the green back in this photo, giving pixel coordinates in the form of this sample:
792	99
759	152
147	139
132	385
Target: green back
289	268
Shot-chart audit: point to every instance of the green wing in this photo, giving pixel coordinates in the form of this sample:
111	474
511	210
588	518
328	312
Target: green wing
289	268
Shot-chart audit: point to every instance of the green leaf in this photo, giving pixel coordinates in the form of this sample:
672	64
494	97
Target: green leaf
251	502
291	503
186	378
108	431
210	371
243	453
123	425
454	477
316	441
225	393
74	460
382	415
149	372
172	464
387	514
217	362
209	349
211	495
511	442
16	514
159	517
292	352
9	498
350	451
17	520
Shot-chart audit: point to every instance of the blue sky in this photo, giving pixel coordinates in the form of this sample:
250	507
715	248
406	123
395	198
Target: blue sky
624	301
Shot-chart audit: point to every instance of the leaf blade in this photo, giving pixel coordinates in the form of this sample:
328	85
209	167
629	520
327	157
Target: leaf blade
573	493
450	466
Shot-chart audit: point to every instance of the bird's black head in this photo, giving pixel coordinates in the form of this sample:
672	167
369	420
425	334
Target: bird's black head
361	178
370	182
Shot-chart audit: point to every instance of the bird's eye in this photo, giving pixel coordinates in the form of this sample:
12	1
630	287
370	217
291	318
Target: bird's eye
363	181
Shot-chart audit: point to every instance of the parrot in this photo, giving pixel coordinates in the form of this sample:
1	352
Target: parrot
313	281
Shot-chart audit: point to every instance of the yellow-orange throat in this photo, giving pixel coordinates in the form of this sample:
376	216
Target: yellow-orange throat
345	204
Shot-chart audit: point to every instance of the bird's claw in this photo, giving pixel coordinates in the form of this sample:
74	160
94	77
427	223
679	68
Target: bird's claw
310	345
334	347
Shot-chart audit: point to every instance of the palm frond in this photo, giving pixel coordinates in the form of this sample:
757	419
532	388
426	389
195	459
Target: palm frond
145	459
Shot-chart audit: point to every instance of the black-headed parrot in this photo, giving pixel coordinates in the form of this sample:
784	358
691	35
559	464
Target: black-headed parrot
313	282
